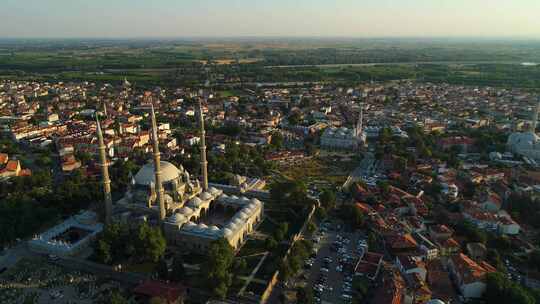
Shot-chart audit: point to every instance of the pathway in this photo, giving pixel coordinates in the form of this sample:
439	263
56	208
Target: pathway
250	278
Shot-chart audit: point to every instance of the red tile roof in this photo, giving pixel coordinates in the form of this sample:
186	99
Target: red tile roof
167	291
469	270
4	157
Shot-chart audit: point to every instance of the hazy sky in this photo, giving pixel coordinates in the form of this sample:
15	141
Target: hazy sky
352	18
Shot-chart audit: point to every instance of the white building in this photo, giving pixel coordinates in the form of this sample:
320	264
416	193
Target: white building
469	276
187	229
344	138
68	238
526	144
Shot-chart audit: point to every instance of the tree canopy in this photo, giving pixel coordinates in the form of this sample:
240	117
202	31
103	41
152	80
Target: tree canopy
217	267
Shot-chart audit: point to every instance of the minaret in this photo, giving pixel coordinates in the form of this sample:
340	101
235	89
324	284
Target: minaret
105	109
104	174
157	168
535	117
359	123
204	163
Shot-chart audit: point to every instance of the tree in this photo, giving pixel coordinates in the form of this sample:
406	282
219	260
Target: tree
240	265
304	296
295	118
352	215
117	298
385	136
151	243
500	290
281	232
277	140
158	300
217	267
328	199
270	243
162	269
103	252
285	271
361	285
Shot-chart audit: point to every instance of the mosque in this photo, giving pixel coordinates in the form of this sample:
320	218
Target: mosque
344	138
191	213
526	144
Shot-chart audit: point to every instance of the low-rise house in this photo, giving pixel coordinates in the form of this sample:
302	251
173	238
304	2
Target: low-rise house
469	276
409	265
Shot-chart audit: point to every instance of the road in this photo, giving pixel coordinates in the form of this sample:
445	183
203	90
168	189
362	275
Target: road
366	167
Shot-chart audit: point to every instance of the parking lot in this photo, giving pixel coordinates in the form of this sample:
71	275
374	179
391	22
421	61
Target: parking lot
330	269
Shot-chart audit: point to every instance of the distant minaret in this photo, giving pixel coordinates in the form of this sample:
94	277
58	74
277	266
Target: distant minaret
204	163
535	117
105	109
105	175
359	123
157	168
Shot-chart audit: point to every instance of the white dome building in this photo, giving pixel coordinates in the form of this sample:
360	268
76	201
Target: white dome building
526	144
146	174
176	183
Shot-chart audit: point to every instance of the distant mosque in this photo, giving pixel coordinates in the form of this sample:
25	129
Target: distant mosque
526	144
344	138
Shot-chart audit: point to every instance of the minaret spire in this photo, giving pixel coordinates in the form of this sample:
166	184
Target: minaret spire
157	168
105	174
359	123
204	163
535	117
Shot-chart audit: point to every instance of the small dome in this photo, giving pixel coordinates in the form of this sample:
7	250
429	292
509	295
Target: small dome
201	228
238	221
195	202
206	196
214	191
244	199
243	215
234	197
186	211
177	218
435	301
227	232
214	228
189	226
224	197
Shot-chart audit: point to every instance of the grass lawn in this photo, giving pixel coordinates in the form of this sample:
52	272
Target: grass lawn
235	286
252	247
141	268
267	227
319	170
256	288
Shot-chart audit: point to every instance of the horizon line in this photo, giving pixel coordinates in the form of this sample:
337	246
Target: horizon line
285	37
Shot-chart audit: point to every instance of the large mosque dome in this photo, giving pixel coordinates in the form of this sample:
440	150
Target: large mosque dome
522	140
146	174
